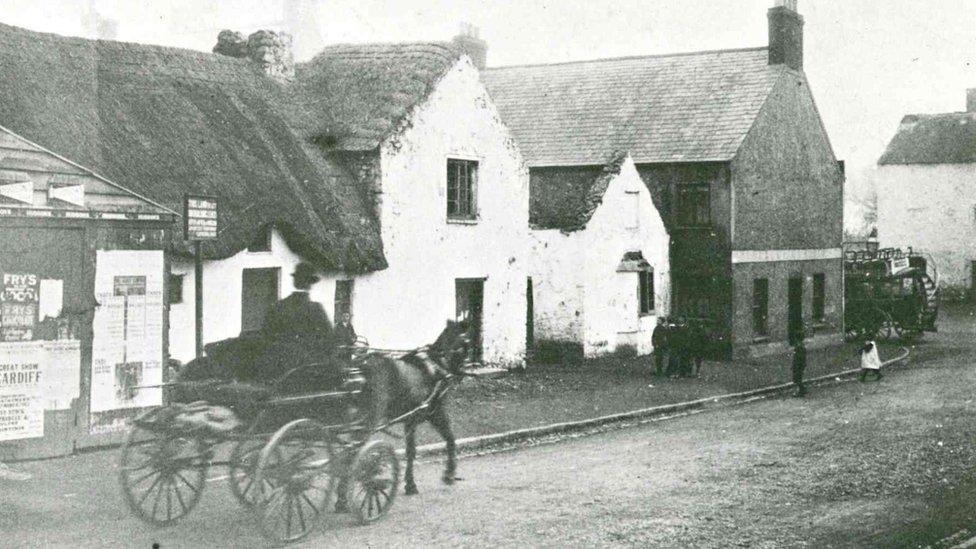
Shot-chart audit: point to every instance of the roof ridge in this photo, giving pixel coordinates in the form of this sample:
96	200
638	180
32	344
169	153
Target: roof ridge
629	58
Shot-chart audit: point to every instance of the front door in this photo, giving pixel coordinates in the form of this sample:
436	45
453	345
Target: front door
470	300
794	308
259	292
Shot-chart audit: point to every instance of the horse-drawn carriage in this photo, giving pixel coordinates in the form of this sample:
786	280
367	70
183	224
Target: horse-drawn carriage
293	444
889	293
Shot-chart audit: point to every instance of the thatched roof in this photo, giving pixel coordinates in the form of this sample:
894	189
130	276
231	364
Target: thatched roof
359	94
948	138
165	121
565	198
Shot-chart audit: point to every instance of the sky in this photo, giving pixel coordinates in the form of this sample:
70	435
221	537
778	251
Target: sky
869	62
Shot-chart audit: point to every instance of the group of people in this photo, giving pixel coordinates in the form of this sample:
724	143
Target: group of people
868	352
679	346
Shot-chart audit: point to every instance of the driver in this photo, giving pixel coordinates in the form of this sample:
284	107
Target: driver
298	330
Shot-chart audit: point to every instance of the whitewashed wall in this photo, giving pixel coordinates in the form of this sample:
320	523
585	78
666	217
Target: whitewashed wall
931	209
222	281
579	295
411	299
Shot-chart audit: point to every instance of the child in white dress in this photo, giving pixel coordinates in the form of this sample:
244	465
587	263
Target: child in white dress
870	361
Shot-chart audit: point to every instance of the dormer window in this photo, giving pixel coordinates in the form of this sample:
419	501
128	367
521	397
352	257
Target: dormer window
462	186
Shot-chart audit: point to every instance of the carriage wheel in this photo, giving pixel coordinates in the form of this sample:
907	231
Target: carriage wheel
372	481
162	475
294	477
243	460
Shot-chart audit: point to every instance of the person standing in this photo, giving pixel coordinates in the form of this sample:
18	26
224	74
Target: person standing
870	361
698	340
659	338
799	365
345	335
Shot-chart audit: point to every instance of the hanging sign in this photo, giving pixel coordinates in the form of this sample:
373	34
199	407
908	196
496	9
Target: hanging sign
199	217
21	192
899	265
72	194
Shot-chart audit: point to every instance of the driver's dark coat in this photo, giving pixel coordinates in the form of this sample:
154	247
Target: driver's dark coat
297	332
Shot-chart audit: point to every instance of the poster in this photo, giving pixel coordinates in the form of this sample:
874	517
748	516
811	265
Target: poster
127	346
21	409
18	306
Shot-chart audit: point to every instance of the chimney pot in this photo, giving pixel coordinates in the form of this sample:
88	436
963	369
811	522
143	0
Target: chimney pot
470	43
971	100
786	35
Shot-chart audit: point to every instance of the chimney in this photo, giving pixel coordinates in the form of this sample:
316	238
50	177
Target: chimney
971	100
268	49
786	35
469	42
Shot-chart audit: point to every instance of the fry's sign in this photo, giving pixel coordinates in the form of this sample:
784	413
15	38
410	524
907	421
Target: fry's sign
20	288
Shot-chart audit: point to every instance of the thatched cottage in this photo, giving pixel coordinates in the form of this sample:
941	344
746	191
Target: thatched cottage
386	166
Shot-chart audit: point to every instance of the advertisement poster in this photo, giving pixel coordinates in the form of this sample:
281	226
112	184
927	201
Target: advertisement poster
18	306
127	348
21	408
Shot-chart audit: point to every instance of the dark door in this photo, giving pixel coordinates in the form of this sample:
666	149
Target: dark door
46	314
259	292
972	278
529	318
794	309
470	300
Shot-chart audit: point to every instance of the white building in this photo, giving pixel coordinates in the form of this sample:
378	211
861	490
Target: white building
386	166
926	191
599	265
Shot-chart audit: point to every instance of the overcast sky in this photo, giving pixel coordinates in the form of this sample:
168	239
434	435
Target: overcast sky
869	61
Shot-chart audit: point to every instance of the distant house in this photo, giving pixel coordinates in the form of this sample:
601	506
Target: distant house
387	167
737	160
926	191
599	260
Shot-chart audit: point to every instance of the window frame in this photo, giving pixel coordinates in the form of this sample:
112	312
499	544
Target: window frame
645	293
468	192
818	304
701	215
760	302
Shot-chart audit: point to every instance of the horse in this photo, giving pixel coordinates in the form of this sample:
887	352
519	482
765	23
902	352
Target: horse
398	385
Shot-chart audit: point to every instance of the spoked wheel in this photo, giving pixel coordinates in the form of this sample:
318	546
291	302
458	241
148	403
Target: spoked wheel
162	475
372	482
294	480
243	460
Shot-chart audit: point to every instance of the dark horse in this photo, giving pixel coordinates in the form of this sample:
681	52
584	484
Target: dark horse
399	385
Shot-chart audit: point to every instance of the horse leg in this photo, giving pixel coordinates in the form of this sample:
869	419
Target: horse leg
442	424
410	430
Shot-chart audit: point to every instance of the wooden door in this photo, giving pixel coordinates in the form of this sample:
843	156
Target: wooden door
259	292
45	313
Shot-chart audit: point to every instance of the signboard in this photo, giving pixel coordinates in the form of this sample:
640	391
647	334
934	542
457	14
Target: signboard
200	217
18	306
899	265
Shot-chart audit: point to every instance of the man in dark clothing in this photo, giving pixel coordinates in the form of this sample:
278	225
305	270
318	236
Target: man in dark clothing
799	364
659	338
345	335
679	348
697	341
298	331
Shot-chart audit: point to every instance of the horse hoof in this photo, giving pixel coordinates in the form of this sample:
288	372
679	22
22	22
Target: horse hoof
410	491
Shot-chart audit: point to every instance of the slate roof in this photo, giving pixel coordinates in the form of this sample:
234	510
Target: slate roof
164	121
358	94
933	139
565	198
666	108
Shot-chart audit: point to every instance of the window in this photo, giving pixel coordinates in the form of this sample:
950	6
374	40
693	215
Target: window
819	296
645	290
343	299
175	288
760	307
633	210
262	242
693	205
462	184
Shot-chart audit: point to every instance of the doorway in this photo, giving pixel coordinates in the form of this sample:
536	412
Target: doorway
529	318
470	300
794	312
259	292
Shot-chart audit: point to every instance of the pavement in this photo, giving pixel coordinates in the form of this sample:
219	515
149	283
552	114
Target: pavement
878	464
